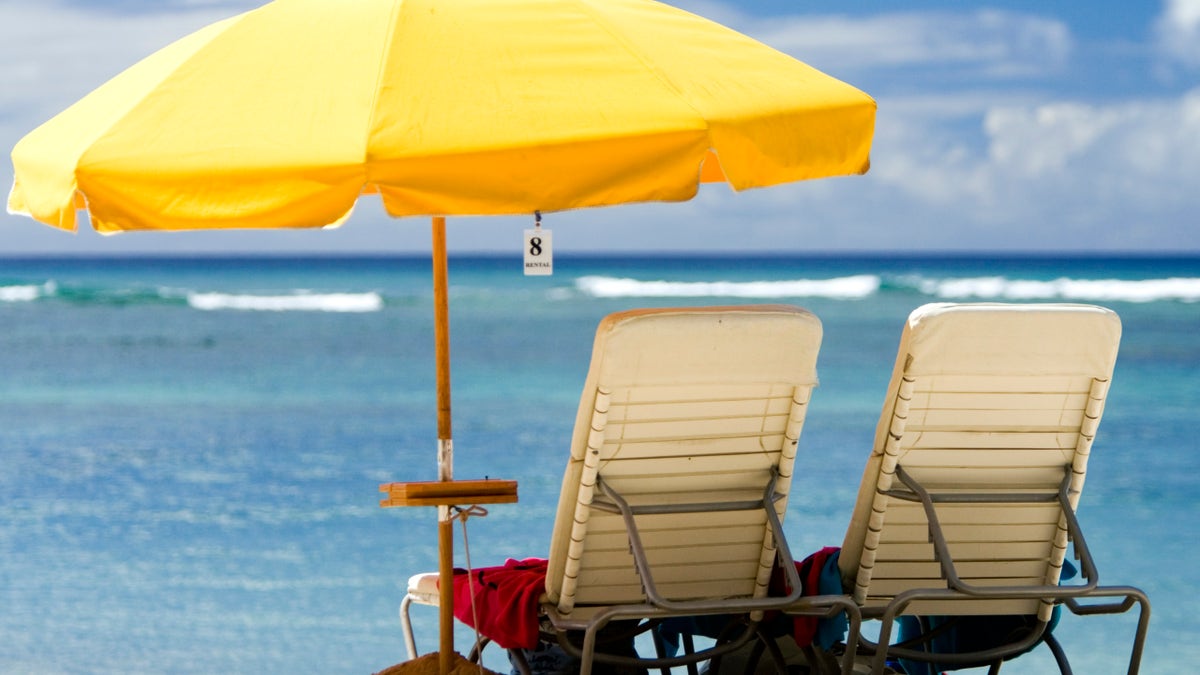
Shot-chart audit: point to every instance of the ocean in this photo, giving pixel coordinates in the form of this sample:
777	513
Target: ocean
191	448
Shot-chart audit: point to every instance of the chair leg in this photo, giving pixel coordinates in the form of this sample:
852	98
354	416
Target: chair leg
410	642
756	653
660	648
879	662
589	649
823	662
689	647
476	653
815	665
774	651
1060	656
1129	597
777	655
517	656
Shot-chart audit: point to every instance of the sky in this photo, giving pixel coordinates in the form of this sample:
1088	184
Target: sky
1022	126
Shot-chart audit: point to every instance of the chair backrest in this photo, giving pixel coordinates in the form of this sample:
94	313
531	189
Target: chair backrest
682	405
984	398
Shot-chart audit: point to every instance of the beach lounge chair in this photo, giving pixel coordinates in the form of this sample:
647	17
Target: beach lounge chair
966	507
677	482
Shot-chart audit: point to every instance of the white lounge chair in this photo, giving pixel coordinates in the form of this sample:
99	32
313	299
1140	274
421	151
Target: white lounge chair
967	503
678	476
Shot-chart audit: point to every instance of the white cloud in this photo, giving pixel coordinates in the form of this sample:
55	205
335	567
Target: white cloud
1146	151
1178	31
987	42
992	42
1065	174
1034	143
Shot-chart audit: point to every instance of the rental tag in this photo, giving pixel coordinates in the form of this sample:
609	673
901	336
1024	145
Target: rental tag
539	258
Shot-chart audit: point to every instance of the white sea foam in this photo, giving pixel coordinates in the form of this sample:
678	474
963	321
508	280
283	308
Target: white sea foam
1119	290
844	288
296	302
26	293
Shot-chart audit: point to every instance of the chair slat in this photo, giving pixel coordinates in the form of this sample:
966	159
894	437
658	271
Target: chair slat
1010	439
721	408
1053	420
984	459
686	429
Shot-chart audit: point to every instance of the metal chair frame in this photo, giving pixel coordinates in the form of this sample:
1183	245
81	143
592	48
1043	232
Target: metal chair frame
957	588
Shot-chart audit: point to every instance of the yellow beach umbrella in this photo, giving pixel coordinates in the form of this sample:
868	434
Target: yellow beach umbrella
283	116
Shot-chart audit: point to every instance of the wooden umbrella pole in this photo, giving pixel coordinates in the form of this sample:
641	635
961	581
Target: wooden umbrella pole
441	332
441	336
445	591
445	492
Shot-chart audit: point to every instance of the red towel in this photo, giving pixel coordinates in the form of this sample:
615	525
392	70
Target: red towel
804	628
506	601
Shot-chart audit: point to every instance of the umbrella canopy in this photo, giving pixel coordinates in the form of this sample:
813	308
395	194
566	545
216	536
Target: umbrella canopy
284	115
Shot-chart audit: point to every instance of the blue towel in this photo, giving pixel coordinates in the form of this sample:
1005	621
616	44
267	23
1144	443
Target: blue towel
832	630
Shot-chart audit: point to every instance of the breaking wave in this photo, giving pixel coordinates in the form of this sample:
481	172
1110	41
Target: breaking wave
842	288
292	301
1110	290
27	292
295	302
1177	289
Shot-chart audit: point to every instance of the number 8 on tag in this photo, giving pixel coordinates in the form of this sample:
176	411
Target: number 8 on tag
539	258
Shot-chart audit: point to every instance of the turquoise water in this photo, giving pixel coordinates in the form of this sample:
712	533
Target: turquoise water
190	449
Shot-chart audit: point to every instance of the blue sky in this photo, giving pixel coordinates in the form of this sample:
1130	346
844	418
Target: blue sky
1015	126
